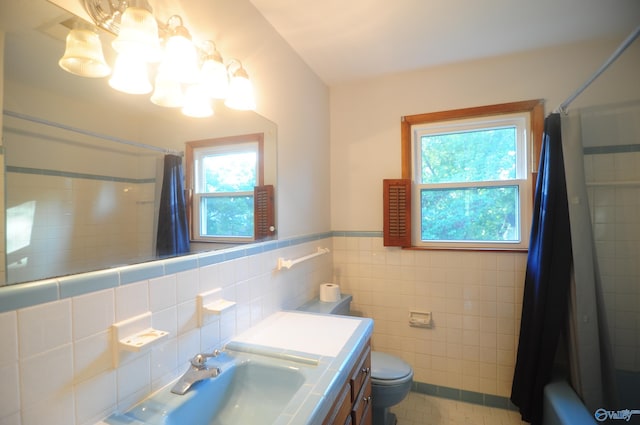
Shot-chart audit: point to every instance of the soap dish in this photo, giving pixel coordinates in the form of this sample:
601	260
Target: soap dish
218	306
134	335
211	303
142	339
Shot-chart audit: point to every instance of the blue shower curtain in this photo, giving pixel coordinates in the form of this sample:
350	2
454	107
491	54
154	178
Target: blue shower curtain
173	230
547	278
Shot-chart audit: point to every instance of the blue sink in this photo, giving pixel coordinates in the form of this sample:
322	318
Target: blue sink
249	393
251	389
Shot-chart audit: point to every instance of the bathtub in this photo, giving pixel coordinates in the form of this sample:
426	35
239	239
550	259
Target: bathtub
562	406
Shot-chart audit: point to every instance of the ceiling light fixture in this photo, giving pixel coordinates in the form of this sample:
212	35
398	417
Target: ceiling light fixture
240	94
188	76
83	53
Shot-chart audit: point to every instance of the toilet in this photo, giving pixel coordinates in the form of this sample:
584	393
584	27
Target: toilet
391	377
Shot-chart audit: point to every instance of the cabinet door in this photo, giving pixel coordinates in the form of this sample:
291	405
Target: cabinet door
341	410
362	405
361	372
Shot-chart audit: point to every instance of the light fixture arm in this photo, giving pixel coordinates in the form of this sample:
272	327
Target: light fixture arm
106	14
234	67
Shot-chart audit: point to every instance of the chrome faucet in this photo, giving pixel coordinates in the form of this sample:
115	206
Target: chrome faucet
196	372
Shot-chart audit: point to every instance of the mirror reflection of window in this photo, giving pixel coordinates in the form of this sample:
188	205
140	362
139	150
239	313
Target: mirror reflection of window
224	176
19	226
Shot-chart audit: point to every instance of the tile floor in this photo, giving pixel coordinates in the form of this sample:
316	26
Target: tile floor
420	409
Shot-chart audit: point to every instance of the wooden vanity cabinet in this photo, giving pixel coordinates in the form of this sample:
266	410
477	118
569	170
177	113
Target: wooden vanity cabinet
353	405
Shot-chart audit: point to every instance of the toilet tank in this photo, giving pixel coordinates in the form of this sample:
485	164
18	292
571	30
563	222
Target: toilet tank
342	306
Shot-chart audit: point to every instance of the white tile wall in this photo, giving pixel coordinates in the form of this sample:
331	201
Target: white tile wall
475	298
56	362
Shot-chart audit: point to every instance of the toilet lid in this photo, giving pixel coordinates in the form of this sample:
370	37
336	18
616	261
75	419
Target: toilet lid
388	367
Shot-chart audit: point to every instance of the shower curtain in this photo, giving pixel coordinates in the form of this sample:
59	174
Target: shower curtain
562	284
544	308
173	230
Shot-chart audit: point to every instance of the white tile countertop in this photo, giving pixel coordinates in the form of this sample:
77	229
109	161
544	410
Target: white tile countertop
325	346
322	335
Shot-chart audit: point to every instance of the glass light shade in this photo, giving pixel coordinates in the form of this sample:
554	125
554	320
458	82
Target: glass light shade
130	75
214	78
240	92
197	103
167	93
180	61
138	35
83	54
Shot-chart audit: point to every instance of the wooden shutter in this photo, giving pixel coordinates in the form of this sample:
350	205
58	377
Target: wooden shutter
397	212
264	220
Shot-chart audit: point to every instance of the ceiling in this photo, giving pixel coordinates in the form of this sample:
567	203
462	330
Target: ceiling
346	40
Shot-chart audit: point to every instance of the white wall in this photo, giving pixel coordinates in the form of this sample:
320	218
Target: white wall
365	116
475	297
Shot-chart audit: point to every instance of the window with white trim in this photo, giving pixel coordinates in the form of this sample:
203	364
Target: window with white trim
470	182
467	179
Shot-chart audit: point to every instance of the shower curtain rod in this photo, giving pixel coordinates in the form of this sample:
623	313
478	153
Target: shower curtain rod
89	133
626	43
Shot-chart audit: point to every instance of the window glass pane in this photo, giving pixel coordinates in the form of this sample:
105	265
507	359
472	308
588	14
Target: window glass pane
232	172
470	156
482	214
227	216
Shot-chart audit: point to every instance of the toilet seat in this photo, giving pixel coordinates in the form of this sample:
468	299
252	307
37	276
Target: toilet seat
389	370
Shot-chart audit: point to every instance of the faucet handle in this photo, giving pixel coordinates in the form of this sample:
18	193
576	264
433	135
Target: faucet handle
200	359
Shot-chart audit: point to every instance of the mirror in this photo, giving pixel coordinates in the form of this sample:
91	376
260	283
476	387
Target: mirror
83	162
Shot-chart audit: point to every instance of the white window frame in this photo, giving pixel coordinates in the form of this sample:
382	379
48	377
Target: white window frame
519	120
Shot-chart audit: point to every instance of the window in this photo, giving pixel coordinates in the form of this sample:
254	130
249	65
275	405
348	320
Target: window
467	178
228	201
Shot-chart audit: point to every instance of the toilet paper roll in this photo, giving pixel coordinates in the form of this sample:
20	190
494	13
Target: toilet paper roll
329	292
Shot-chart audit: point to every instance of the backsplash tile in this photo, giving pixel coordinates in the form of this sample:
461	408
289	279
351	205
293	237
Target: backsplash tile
132	300
68	340
47	400
44	327
95	398
162	292
9	337
134	381
9	390
93	313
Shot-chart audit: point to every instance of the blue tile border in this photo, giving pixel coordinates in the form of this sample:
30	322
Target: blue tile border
599	150
472	397
28	294
357	234
74	285
142	271
13	297
180	264
58	173
487	400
